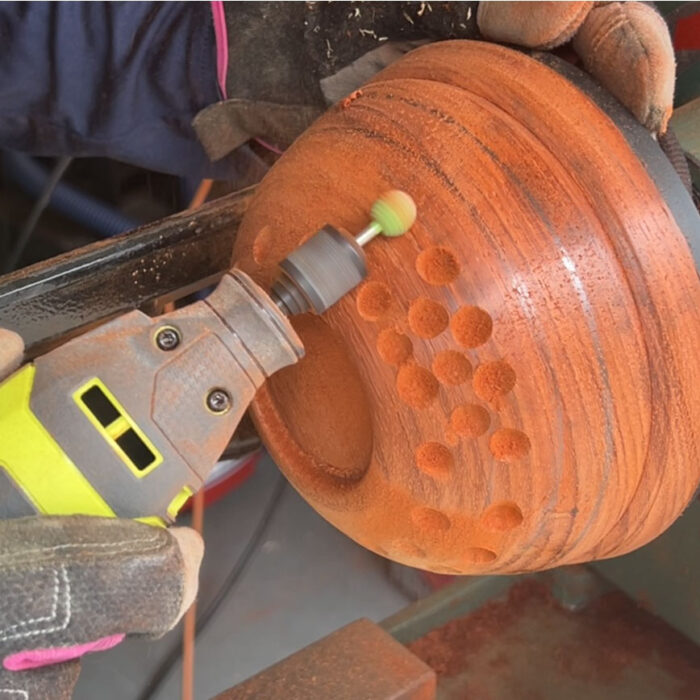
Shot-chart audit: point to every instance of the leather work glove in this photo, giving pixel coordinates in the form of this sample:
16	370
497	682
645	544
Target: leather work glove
287	62
626	46
70	585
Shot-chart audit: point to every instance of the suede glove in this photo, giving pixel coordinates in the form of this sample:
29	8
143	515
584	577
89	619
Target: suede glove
626	46
70	585
287	62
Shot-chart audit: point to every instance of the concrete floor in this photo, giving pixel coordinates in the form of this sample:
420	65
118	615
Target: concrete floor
304	581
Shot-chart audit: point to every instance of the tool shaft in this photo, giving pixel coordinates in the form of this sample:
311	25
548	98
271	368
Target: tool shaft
367	234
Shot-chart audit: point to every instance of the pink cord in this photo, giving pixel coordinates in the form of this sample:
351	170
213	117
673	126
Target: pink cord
269	146
217	11
36	658
221	33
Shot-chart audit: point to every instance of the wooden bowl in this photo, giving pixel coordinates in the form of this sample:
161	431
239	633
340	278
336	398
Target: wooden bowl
515	386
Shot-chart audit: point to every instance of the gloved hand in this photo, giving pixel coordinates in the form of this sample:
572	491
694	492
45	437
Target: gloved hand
73	584
287	62
625	45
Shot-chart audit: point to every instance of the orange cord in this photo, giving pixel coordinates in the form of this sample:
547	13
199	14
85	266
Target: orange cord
189	629
200	196
190	621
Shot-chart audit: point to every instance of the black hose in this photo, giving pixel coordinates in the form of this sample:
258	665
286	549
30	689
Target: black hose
35	214
67	200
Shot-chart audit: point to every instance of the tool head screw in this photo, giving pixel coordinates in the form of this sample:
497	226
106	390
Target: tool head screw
218	401
167	338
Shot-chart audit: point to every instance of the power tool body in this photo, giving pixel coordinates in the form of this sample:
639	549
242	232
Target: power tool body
128	419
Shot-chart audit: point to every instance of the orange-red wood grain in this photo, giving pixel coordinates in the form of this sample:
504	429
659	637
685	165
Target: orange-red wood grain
543	255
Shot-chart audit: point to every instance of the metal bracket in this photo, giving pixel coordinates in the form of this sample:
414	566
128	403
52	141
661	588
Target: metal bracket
56	299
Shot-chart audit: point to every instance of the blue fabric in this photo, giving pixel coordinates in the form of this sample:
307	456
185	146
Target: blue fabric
115	79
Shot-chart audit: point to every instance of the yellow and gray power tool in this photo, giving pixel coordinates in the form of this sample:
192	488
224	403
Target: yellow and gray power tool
128	419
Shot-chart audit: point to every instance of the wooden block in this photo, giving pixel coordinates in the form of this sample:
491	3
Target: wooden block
356	662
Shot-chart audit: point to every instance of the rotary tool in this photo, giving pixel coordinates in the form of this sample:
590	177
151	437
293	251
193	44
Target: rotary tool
128	419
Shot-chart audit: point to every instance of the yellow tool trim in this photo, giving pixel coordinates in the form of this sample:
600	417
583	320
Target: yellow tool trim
153	520
173	509
119	427
35	461
179	501
121	424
